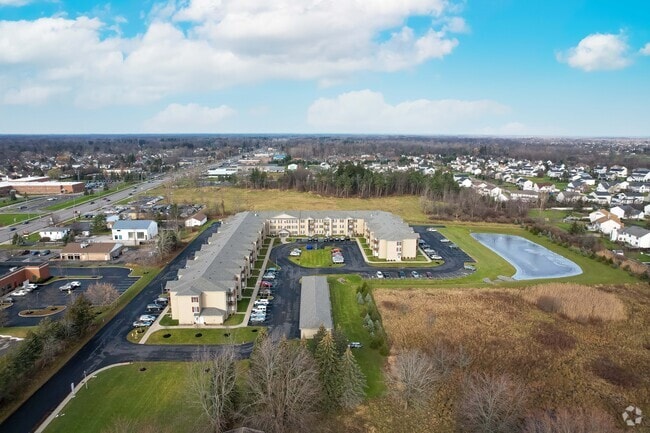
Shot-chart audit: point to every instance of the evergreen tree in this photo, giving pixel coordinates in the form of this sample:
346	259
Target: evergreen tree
328	365
352	380
79	316
340	340
318	336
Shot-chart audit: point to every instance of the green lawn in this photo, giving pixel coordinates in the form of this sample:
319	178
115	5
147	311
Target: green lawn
235	319
83	199
209	336
152	396
167	320
242	305
345	312
11	218
321	258
17	331
8	202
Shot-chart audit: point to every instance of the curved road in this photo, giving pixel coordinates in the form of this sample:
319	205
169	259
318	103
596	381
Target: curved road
109	346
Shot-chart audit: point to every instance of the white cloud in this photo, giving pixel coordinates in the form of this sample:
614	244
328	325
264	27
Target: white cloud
645	50
203	45
35	95
14	2
366	111
189	118
598	51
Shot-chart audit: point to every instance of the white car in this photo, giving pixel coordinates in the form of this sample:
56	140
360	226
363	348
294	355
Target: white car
20	292
431	229
31	286
147	318
380	274
75	284
66	287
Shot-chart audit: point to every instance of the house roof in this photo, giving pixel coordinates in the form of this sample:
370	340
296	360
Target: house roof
635	231
199	216
133	224
95	247
315	307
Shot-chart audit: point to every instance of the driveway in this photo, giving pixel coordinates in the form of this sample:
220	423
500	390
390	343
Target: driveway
109	346
284	311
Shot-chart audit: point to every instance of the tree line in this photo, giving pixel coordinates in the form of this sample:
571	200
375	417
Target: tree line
353	180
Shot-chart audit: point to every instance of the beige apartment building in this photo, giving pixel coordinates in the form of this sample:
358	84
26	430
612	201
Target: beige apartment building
208	288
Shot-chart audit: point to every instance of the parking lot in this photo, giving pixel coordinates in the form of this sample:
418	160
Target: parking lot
283	312
50	293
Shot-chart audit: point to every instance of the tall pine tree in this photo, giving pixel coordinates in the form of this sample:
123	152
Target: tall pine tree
328	365
353	382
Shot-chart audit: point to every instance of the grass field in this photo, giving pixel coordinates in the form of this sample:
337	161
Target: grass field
12	218
148	397
345	312
208	336
562	363
321	258
239	199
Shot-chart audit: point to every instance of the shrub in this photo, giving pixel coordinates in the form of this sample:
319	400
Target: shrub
574	420
613	373
581	303
550	336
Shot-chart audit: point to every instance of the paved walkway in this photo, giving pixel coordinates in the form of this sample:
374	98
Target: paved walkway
156	326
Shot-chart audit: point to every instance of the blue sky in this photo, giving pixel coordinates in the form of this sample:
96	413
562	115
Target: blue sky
494	67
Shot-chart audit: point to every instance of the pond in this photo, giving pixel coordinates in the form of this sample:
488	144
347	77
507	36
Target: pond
531	260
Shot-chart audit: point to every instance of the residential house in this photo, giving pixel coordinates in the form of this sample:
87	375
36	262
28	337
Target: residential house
134	232
625	211
54	233
605	221
633	236
600	197
196	220
570	197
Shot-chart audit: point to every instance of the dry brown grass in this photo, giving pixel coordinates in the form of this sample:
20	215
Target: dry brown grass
576	302
562	362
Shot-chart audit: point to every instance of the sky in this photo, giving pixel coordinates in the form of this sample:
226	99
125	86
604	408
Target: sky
418	67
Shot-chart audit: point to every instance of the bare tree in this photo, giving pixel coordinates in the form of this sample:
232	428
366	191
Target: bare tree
490	404
212	385
284	387
413	378
577	420
102	294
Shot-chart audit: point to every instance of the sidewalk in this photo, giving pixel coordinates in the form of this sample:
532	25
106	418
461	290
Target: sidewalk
72	395
156	326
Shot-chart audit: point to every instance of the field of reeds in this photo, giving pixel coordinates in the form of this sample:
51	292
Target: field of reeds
591	351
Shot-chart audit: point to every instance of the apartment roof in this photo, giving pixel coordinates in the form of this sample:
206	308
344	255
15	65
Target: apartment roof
315	307
637	232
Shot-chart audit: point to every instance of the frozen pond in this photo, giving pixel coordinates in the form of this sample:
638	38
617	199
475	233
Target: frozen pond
531	260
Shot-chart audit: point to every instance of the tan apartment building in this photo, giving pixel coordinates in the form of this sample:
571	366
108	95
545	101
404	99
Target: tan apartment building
208	289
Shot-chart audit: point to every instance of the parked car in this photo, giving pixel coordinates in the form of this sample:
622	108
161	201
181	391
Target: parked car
66	288
31	286
35	253
75	284
11	229
45	252
161	300
147	318
429	274
380	274
435	257
141	323
402	274
415	274
154	308
431	229
445	240
19	292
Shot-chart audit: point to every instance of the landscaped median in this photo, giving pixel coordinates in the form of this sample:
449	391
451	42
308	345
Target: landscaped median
201	336
321	258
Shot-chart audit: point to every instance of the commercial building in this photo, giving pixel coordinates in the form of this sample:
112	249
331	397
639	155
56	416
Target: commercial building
96	251
134	232
40	185
315	306
13	277
207	290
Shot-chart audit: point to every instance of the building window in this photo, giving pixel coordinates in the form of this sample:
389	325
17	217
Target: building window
196	309
195	299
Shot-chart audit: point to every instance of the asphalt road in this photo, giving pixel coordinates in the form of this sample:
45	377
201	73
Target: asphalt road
6	234
109	346
284	310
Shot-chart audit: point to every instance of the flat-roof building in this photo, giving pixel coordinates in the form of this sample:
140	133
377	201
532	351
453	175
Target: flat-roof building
315	306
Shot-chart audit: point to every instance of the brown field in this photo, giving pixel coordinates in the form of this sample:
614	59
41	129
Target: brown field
576	302
563	363
241	199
